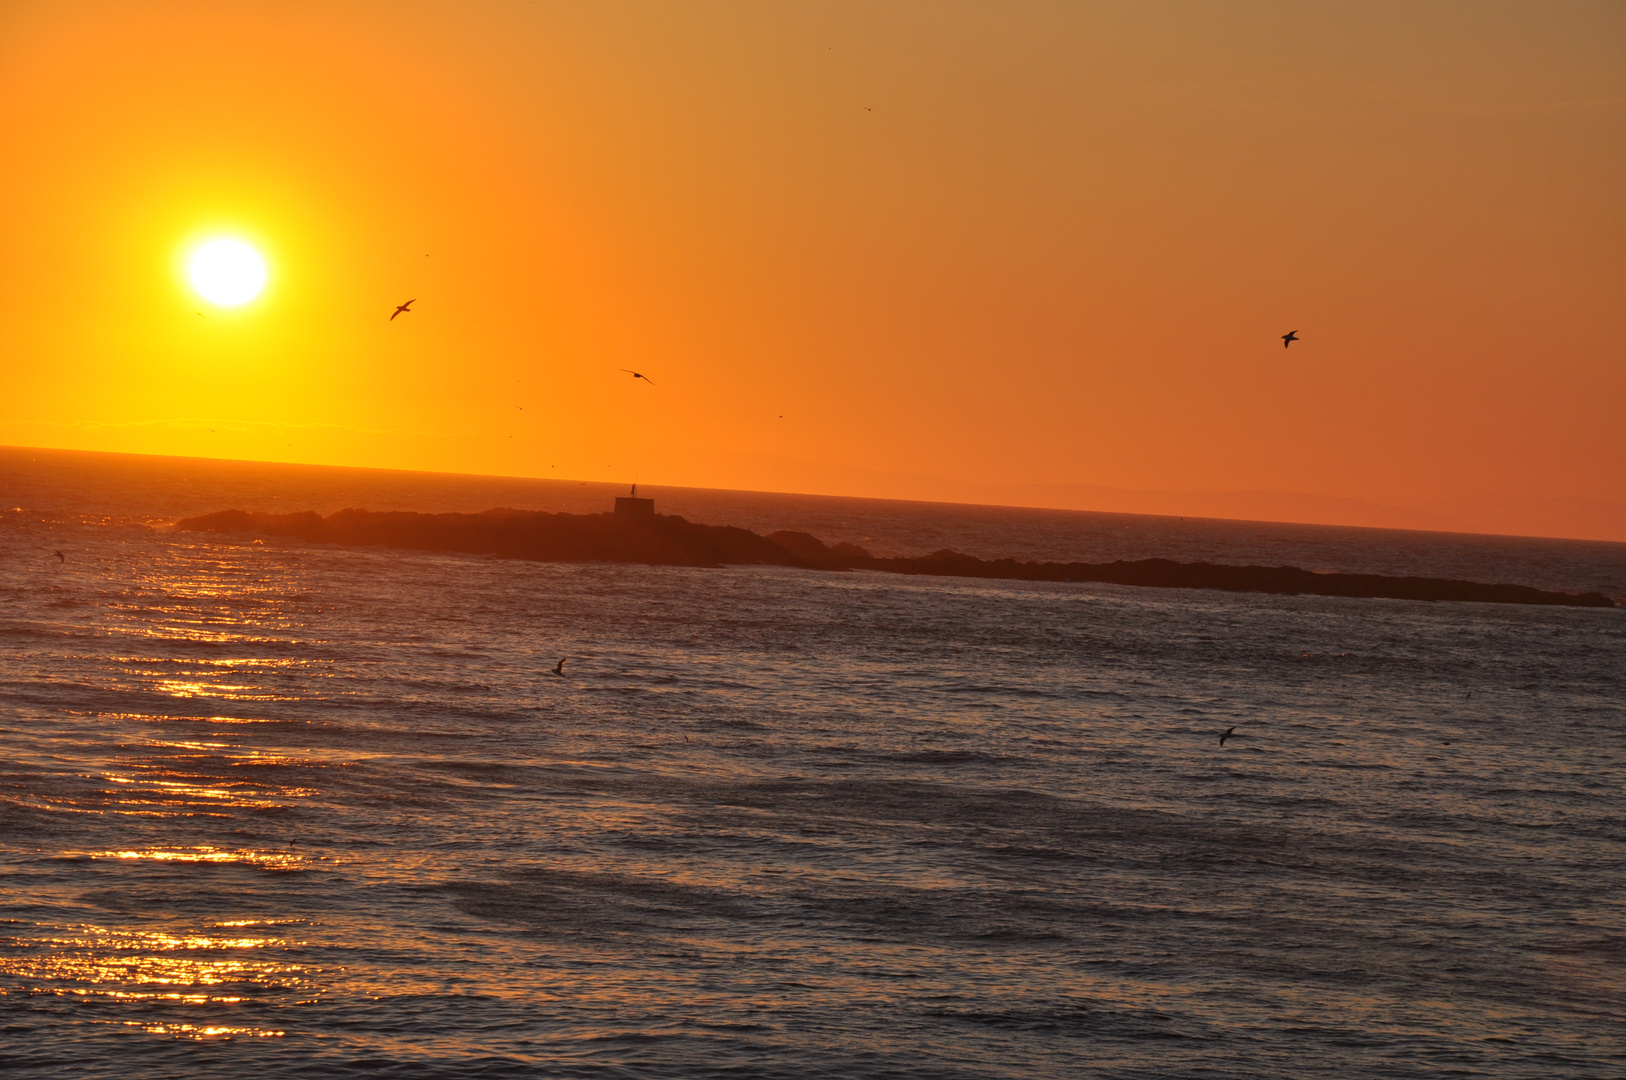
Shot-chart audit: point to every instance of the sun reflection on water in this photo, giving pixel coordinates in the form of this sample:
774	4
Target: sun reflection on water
186	968
227	678
194	1031
276	860
190	688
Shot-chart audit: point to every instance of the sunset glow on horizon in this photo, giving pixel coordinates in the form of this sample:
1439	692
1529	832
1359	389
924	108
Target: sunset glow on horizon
1041	255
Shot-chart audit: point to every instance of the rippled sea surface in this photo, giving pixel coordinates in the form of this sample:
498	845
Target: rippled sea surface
269	809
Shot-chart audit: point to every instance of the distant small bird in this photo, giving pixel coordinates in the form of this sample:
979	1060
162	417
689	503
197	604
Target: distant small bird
403	307
60	557
559	668
636	375
1289	337
1227	734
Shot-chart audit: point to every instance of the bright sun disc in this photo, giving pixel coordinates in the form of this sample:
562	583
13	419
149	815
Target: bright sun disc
226	272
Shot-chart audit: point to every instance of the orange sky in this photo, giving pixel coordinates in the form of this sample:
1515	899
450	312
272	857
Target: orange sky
1027	253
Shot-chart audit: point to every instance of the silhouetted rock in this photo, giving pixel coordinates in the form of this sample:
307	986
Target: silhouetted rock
664	540
803	544
655	539
808	548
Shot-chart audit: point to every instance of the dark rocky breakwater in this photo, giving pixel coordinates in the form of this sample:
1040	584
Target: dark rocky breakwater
665	540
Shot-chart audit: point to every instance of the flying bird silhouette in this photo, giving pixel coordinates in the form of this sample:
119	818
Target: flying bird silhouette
403	307
60	557
1227	734
1289	337
559	668
637	375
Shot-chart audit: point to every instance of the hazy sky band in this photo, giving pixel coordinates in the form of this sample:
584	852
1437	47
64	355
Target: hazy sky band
858	249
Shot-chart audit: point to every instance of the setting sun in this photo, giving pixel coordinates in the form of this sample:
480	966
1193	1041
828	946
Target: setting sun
227	272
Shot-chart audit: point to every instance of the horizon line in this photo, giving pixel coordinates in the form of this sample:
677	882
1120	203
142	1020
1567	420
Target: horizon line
868	498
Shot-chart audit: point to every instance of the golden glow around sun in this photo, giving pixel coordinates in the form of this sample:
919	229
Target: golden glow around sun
226	271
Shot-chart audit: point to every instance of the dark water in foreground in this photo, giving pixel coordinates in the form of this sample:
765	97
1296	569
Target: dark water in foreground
274	810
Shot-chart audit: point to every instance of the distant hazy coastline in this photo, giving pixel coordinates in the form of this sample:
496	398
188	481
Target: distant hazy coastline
68	488
666	540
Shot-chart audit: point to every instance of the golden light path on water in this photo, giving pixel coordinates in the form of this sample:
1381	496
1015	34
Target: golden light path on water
127	966
186	967
218	967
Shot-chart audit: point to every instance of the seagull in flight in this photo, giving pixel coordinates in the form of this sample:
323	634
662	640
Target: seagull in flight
559	668
638	375
403	307
60	557
1227	734
1289	337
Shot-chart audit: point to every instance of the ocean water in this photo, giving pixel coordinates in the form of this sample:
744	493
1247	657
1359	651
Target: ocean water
283	810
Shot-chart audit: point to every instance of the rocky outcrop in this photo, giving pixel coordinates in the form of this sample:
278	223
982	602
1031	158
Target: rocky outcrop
664	540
